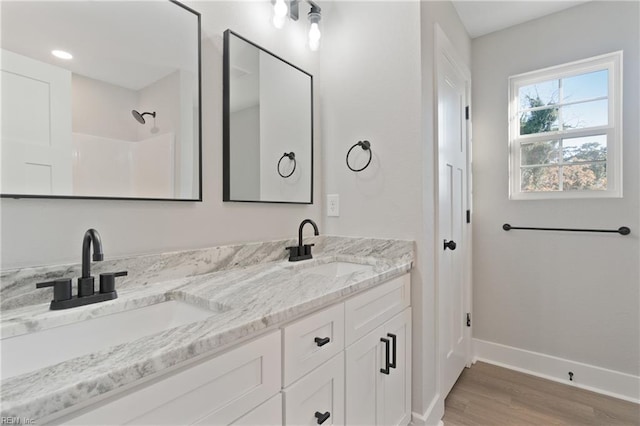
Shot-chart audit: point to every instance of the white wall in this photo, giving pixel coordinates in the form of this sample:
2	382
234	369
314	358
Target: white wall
573	296
377	84
103	109
36	232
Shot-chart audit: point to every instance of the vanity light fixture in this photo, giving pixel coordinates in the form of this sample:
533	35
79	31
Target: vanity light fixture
284	8
62	54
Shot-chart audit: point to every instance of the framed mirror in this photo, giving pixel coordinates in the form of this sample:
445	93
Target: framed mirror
100	99
268	126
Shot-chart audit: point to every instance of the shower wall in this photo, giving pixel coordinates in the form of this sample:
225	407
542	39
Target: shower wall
113	154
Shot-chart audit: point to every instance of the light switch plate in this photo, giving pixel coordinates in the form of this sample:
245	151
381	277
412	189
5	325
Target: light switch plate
333	205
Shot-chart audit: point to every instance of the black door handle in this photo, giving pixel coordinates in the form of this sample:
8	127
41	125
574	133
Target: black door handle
322	417
451	245
321	341
392	364
385	370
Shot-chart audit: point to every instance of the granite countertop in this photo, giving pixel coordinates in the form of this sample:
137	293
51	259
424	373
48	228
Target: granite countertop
243	301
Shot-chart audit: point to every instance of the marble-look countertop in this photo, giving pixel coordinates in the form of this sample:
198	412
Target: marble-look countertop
243	301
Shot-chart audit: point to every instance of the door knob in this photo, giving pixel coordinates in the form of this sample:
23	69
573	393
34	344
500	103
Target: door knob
451	245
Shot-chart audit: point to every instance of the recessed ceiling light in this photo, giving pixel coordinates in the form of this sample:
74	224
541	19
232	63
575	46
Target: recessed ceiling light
61	54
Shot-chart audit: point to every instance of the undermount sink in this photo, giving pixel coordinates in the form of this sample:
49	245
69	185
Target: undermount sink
337	269
32	351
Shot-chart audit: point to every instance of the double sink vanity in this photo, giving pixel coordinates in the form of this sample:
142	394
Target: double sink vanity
227	335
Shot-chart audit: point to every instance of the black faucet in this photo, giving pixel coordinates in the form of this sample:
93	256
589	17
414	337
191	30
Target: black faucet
62	298
86	285
302	252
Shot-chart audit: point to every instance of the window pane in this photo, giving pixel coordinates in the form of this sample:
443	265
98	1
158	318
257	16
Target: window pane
539	94
539	121
585	86
587	114
540	179
588	148
540	153
585	177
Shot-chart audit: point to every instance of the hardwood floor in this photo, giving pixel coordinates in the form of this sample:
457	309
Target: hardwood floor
489	395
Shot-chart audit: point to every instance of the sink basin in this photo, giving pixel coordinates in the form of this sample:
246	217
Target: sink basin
337	269
32	351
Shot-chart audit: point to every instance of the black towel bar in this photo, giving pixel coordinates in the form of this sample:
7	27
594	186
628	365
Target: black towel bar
623	230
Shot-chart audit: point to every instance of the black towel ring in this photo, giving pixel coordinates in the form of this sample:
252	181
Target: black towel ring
291	156
365	145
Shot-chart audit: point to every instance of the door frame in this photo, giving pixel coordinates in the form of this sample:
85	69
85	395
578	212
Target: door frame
444	48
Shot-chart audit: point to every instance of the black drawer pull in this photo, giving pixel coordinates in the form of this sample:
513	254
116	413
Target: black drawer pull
322	417
385	370
321	341
394	352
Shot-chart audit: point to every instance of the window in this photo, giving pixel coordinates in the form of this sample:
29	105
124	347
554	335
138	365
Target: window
565	130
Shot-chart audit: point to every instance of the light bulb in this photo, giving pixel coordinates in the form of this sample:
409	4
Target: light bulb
314	36
280	9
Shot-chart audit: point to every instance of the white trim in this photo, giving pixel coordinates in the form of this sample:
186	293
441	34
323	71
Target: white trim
613	63
433	415
596	379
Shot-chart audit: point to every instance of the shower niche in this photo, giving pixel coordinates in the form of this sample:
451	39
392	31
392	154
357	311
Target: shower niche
100	99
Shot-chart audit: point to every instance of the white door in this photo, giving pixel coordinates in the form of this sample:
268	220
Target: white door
453	242
36	127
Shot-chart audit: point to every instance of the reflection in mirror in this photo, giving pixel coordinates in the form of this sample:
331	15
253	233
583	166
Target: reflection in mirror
268	126
100	99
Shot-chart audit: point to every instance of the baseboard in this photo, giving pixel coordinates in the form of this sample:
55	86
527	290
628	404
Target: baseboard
585	376
431	417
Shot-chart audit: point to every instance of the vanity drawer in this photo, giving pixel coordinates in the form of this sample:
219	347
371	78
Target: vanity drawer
268	414
312	341
369	310
317	394
217	391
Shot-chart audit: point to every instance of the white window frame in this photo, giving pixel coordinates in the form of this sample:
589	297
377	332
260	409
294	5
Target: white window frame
611	62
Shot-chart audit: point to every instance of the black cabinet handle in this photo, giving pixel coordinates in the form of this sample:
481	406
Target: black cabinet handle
322	417
385	370
321	341
392	364
451	245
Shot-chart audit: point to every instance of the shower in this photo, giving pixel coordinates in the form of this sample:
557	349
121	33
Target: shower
140	117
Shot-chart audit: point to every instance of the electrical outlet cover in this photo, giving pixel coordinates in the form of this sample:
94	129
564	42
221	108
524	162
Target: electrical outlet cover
333	205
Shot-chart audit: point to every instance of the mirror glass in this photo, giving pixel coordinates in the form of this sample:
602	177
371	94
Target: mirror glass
268	126
100	99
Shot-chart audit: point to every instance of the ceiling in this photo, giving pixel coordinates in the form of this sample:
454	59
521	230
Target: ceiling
483	17
129	44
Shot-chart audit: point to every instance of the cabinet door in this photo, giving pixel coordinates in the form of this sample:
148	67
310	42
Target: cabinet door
373	397
318	397
395	391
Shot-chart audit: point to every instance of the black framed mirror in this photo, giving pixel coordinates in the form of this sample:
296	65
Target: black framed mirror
268	126
101	100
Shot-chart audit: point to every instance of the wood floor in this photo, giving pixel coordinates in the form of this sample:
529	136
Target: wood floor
490	395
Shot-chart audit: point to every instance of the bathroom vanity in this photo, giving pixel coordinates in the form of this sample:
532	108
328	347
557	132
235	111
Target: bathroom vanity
325	341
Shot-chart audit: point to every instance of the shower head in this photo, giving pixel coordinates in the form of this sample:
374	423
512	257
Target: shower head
140	117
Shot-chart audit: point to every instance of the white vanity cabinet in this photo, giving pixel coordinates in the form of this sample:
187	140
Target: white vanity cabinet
347	364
